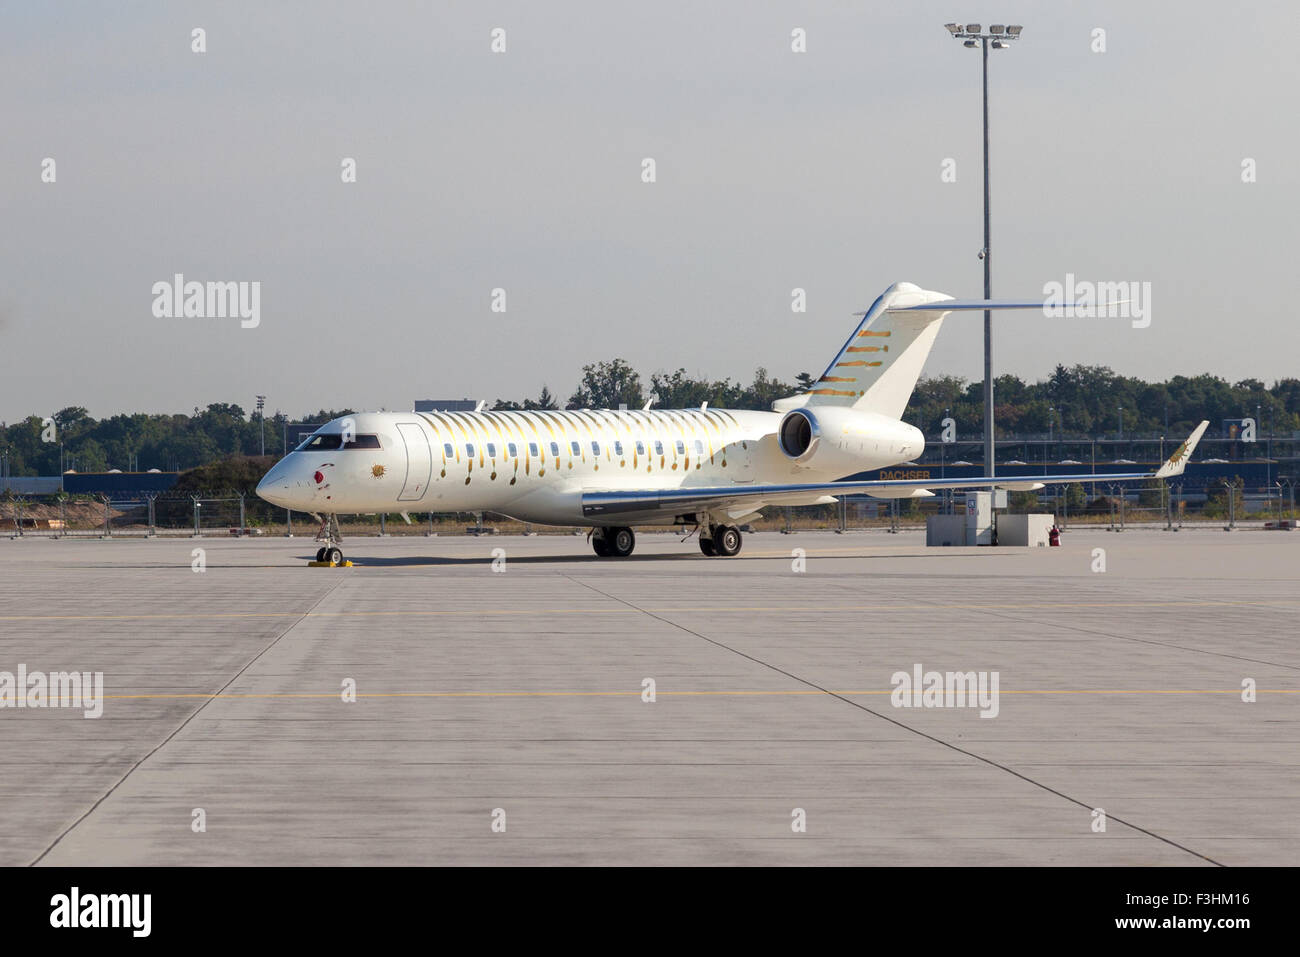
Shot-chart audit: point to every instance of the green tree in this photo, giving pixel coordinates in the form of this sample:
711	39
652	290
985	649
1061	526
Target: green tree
544	401
606	385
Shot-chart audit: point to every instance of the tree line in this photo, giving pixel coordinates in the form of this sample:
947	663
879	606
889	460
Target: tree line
1082	401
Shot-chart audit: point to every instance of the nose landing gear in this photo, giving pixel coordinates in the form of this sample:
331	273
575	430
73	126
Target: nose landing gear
329	533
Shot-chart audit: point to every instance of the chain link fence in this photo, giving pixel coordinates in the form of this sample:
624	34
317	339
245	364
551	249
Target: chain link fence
1230	505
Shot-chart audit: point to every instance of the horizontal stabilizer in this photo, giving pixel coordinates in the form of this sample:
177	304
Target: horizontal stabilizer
980	305
965	305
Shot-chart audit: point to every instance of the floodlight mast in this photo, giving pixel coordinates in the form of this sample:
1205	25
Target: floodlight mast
971	36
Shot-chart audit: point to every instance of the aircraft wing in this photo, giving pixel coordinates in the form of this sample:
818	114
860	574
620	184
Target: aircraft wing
679	501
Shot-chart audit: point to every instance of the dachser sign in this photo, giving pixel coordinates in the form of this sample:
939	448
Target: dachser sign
904	475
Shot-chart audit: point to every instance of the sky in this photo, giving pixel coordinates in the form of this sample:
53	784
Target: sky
523	171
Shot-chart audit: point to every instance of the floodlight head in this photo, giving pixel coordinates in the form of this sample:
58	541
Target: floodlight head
999	45
1014	30
953	28
972	28
996	28
969	43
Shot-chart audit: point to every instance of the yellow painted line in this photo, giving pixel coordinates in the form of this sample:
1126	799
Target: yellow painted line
669	609
637	693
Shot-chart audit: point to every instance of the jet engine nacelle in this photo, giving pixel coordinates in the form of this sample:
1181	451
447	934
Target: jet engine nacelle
839	440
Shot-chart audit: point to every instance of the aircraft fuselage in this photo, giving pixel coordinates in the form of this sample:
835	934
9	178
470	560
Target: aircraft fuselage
535	465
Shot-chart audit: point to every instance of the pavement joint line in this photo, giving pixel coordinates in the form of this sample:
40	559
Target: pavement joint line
993	611
637	693
178	729
746	609
1081	629
902	725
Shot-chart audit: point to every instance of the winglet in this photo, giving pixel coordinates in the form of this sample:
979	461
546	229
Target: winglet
1175	464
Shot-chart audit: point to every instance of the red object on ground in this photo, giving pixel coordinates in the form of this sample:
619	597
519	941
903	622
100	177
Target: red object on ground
1054	537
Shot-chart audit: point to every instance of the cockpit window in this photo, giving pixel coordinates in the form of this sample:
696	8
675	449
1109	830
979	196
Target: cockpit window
321	442
329	441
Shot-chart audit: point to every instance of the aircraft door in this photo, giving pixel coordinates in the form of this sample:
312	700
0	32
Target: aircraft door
419	461
741	459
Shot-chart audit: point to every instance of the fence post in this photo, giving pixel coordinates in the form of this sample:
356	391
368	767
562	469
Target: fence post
197	506
431	524
241	513
152	518
108	532
383	524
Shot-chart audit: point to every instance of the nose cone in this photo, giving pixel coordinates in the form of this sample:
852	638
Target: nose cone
280	486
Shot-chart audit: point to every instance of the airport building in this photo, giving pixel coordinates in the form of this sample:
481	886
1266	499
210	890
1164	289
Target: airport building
446	405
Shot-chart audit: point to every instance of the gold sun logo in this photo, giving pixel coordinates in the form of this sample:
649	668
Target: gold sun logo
377	471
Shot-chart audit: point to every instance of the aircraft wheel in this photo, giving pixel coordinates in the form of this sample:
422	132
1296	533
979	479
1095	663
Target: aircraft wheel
598	543
621	542
334	555
320	554
706	546
726	540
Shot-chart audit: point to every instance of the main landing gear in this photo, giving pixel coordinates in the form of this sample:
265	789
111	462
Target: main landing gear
329	534
613	542
720	540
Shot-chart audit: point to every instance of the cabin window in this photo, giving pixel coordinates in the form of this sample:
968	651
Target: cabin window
514	453
577	449
640	447
469	449
532	449
448	450
659	447
681	447
595	448
555	449
699	447
618	449
492	450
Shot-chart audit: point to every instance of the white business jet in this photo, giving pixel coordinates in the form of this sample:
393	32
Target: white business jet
704	469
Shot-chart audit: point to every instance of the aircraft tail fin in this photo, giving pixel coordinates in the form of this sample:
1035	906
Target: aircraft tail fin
876	370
